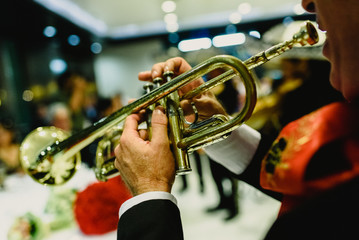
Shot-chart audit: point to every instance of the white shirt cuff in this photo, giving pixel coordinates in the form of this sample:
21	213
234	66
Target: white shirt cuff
236	152
145	197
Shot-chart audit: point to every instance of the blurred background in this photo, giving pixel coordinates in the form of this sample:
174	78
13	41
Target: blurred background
109	42
69	63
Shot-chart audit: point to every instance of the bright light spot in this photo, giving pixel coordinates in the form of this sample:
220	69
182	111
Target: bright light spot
194	44
171	22
28	95
287	21
172	27
244	8
49	31
58	66
173	37
231	29
255	34
229	40
235	18
298	9
73	40
96	47
170	18
168	6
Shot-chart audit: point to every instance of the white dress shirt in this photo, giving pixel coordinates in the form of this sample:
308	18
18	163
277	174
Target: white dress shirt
234	153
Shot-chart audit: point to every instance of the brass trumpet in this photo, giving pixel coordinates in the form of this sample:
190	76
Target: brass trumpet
52	157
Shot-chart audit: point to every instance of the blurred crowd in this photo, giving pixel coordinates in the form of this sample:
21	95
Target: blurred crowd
74	105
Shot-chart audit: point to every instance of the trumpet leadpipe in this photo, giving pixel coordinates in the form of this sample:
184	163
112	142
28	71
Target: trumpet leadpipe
307	35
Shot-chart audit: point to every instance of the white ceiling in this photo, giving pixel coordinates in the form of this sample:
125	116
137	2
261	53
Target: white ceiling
129	18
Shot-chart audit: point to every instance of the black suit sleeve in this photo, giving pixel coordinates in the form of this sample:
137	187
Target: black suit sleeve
151	220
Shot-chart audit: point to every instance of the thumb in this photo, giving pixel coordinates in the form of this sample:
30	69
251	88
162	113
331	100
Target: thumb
159	126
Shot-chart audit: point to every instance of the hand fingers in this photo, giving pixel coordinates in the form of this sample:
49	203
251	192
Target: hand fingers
131	100
145	76
159	127
143	134
177	65
131	125
156	71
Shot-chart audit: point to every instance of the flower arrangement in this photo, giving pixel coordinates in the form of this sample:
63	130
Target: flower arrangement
96	207
27	227
59	206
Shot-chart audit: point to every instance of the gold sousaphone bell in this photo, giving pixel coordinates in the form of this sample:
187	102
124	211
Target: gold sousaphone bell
51	156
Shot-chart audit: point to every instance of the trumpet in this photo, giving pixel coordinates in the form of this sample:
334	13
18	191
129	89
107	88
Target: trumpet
51	157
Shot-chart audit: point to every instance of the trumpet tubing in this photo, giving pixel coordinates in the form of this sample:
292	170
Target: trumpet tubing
51	157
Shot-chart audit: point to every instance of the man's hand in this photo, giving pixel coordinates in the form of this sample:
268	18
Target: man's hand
146	165
206	103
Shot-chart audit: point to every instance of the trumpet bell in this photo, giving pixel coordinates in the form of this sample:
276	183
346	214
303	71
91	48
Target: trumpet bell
50	169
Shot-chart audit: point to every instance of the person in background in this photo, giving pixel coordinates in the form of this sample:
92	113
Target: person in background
59	115
228	96
9	147
72	91
312	166
295	94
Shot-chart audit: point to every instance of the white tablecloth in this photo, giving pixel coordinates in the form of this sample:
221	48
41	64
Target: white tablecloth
22	194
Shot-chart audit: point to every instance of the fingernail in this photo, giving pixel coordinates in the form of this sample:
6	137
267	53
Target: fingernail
154	74
159	110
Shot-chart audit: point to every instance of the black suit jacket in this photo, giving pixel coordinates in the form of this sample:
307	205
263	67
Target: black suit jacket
153	219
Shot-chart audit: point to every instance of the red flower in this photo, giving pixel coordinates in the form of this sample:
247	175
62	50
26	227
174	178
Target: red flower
96	208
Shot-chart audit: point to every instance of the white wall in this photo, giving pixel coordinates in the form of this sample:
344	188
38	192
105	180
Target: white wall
116	68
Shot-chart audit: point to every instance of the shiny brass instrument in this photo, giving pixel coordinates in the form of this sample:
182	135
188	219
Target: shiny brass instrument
51	157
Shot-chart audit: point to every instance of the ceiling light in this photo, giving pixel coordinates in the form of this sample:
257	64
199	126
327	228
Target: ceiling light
172	27
73	40
96	47
58	66
168	6
244	8
235	18
255	34
194	44
170	18
229	40
49	31
298	9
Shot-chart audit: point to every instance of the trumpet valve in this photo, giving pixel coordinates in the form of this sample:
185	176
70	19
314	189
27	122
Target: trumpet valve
148	87
168	75
157	81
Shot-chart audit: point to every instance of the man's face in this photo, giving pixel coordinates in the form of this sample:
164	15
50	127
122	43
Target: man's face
340	19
